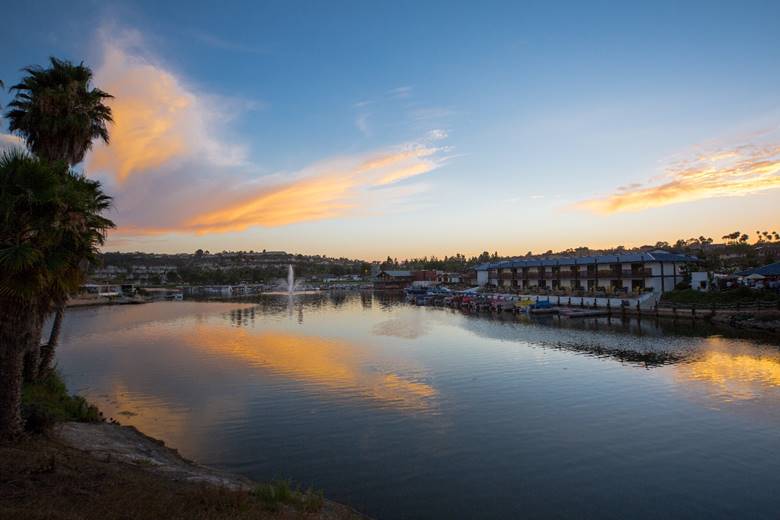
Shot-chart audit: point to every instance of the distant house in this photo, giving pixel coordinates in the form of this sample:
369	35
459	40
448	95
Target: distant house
448	278
393	280
768	272
424	276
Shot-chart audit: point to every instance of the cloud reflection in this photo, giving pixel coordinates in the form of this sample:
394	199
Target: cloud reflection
335	365
730	375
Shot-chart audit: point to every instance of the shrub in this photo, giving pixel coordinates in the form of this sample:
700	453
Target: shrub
47	402
273	495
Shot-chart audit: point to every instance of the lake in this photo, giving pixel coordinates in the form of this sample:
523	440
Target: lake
417	412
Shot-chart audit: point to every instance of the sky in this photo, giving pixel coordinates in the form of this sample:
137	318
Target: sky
366	129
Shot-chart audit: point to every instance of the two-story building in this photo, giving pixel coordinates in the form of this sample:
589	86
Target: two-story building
657	271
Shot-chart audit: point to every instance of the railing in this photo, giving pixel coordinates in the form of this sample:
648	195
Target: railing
604	273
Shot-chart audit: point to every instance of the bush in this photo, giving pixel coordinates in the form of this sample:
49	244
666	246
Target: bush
47	402
277	493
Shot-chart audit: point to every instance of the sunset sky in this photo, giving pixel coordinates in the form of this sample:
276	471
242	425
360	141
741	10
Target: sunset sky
367	129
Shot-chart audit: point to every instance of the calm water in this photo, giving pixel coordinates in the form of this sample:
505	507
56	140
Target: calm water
409	412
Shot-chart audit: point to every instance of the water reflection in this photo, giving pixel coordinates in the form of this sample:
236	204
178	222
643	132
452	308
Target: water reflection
395	408
334	366
731	372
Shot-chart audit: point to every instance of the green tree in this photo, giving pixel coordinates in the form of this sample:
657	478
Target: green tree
51	227
58	113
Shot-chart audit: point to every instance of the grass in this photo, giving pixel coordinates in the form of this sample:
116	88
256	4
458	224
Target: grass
41	478
47	402
277	493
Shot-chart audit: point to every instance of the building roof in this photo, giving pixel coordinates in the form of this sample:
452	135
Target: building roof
653	256
397	274
767	270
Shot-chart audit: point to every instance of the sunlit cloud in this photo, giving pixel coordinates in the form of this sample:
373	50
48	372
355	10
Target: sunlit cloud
173	168
734	172
325	191
157	119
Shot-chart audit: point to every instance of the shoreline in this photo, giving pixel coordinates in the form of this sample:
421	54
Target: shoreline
103	470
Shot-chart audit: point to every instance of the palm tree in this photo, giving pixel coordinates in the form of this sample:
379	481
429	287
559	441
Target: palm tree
50	227
59	114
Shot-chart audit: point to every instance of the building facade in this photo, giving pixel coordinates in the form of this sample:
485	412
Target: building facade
657	271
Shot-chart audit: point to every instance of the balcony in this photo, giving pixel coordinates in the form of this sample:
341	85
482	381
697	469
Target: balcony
637	273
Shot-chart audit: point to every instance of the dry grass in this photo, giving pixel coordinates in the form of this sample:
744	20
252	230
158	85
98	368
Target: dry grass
43	479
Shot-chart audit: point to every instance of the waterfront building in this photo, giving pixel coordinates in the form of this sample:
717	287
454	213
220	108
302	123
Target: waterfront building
657	271
448	278
393	280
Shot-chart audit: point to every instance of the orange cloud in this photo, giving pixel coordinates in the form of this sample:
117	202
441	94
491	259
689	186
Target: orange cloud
325	193
173	172
740	171
156	118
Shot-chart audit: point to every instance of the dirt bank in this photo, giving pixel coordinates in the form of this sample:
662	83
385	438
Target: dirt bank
107	471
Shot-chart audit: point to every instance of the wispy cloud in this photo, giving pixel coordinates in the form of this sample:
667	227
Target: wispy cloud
400	92
730	172
361	122
429	113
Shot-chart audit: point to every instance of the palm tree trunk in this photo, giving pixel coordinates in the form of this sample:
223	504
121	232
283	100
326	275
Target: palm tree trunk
17	331
47	350
31	360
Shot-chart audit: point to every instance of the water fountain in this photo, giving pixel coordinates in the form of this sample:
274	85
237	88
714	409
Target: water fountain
290	279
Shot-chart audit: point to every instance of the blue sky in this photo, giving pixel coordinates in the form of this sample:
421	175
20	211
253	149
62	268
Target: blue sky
500	125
